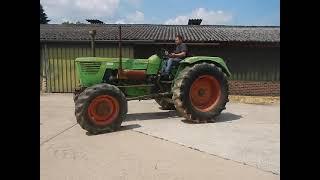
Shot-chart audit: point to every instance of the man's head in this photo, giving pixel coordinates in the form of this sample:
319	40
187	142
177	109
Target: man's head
179	39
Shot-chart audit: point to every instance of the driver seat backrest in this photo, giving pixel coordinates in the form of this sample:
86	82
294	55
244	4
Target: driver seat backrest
189	54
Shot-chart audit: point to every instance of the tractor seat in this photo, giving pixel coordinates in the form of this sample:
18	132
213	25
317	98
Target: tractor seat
189	54
175	64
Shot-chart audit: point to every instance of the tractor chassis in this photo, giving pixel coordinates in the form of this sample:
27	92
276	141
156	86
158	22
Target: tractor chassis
151	96
144	97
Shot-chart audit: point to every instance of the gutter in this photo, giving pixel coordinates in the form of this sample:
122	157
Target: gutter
155	42
123	41
87	41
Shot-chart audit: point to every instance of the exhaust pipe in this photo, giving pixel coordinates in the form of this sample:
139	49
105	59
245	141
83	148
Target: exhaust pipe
128	74
93	35
121	74
120	49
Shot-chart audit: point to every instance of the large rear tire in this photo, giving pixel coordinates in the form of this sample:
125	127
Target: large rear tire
200	92
101	108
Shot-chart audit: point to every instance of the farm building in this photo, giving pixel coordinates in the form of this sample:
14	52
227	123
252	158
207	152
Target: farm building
251	52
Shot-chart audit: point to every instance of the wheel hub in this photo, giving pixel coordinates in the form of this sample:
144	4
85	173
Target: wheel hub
103	110
204	93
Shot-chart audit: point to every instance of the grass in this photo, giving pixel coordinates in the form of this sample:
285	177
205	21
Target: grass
255	99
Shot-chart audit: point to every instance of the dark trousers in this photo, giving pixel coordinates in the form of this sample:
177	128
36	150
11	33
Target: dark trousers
166	69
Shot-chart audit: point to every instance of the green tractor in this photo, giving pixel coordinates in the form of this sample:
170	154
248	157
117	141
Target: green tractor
198	91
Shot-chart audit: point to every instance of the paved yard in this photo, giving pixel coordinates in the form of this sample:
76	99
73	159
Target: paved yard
244	143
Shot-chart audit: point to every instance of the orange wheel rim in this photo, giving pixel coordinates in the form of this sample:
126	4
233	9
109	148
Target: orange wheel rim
205	93
103	110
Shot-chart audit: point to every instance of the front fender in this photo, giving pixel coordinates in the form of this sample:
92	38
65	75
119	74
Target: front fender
216	60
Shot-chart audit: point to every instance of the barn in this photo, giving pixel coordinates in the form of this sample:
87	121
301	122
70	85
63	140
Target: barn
251	52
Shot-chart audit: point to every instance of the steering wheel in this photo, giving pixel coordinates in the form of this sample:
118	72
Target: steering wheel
164	53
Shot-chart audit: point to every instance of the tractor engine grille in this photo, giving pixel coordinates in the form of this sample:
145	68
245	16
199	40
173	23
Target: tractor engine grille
90	67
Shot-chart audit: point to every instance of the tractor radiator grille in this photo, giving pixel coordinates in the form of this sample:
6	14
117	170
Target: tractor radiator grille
90	67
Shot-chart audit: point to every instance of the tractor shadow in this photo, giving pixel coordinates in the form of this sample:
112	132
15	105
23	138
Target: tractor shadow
122	128
151	116
223	117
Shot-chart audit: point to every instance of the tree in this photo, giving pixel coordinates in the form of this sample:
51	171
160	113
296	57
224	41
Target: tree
43	16
69	22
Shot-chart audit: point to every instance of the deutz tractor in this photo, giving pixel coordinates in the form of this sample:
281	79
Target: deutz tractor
198	90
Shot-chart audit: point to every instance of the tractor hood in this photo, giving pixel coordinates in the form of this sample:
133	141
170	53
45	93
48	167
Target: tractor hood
113	63
103	59
90	70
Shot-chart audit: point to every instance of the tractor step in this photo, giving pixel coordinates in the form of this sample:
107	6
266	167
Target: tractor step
139	85
167	82
150	96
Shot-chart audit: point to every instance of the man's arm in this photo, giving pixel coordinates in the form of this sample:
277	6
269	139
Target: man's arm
178	55
183	54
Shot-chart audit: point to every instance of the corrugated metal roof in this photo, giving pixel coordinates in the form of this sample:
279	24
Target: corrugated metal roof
162	33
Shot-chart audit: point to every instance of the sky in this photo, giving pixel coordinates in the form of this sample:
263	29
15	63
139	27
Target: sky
219	12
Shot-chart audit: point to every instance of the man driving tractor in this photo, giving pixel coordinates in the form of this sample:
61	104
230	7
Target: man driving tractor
174	58
197	87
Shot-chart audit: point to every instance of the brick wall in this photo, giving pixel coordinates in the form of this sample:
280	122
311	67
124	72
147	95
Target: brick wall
254	88
247	88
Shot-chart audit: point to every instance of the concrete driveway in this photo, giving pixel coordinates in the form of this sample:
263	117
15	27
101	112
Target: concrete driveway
244	143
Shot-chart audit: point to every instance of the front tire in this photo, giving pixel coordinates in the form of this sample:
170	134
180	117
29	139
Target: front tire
101	108
200	92
76	93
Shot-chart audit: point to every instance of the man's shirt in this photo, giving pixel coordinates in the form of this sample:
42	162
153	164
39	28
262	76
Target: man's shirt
181	48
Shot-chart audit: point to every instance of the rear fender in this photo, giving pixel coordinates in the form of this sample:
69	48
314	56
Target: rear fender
198	59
